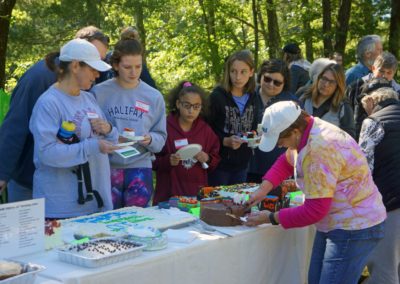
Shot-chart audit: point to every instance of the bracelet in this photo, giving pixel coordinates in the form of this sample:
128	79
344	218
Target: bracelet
272	219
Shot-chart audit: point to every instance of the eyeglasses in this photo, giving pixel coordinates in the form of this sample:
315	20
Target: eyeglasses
188	106
328	81
269	80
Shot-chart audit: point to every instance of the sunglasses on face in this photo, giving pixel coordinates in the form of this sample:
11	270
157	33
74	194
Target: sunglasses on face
268	80
188	106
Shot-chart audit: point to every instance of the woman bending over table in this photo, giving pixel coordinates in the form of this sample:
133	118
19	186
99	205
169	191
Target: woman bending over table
341	198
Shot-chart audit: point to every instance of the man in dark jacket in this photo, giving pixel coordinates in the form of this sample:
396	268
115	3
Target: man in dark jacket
380	141
383	71
16	141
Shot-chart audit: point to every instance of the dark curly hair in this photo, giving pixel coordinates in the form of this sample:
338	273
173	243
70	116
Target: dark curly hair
183	88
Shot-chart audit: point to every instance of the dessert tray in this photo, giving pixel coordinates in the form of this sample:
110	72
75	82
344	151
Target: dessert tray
27	276
99	252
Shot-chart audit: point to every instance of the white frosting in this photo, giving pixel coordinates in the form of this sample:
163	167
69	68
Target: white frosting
100	248
118	221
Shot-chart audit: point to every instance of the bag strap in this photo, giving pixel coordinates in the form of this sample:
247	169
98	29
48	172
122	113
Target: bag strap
89	188
81	199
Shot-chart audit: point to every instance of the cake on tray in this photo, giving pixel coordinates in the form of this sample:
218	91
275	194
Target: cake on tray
221	214
9	269
242	189
117	221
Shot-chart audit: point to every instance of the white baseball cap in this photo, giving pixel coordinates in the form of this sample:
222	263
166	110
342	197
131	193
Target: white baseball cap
277	118
82	50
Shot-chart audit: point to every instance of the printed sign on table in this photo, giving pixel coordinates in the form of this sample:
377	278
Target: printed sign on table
21	228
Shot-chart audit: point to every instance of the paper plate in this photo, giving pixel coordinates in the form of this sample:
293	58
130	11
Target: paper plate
133	138
125	144
189	151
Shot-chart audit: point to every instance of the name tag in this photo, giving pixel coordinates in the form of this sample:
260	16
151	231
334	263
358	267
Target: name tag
92	115
145	107
179	143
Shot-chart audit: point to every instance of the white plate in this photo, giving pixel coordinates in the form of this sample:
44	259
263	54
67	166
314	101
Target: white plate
189	151
125	144
133	138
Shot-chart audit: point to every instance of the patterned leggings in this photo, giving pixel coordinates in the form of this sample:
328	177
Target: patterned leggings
131	187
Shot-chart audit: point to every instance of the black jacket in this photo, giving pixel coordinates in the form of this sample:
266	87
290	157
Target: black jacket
225	119
387	153
261	161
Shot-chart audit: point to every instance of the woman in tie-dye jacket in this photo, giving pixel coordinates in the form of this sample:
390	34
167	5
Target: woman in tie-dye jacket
341	198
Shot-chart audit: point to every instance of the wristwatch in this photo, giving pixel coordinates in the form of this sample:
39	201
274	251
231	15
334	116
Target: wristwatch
272	218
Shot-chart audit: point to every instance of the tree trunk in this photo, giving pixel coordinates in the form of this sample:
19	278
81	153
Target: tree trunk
394	33
262	25
307	33
138	14
6	8
255	7
208	8
273	31
342	25
93	13
327	27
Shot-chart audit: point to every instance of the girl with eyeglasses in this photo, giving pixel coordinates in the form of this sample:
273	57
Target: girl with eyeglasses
274	80
233	113
128	102
185	126
326	99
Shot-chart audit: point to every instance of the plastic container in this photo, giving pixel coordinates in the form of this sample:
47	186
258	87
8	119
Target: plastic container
151	237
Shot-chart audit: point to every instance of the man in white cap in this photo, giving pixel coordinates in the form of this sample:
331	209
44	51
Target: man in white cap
341	198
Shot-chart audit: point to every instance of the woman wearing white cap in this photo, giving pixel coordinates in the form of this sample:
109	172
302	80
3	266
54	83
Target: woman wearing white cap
70	131
341	198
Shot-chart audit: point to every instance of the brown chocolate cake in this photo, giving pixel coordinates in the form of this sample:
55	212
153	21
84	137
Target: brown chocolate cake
215	214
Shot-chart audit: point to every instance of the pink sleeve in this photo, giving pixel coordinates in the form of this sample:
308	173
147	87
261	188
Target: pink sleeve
279	171
311	212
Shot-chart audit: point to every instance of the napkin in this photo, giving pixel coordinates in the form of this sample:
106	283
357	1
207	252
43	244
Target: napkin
181	235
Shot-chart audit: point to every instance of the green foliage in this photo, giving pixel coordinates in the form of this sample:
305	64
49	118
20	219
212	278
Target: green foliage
4	103
177	42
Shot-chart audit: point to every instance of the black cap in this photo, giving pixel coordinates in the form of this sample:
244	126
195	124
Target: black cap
292	48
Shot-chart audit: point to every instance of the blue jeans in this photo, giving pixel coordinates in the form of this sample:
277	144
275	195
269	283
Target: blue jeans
340	256
224	177
17	192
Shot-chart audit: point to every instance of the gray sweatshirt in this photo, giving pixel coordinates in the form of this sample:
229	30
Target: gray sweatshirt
55	161
142	109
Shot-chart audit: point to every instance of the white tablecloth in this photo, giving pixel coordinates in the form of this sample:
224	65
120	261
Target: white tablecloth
266	254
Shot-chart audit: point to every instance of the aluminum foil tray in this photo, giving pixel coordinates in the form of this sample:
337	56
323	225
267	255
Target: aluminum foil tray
28	275
72	254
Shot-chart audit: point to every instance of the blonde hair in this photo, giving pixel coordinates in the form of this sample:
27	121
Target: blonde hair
338	95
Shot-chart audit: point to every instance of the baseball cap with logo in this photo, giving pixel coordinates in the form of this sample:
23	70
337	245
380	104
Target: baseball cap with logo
277	118
84	51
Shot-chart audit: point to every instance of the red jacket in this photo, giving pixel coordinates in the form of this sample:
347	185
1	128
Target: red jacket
178	180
